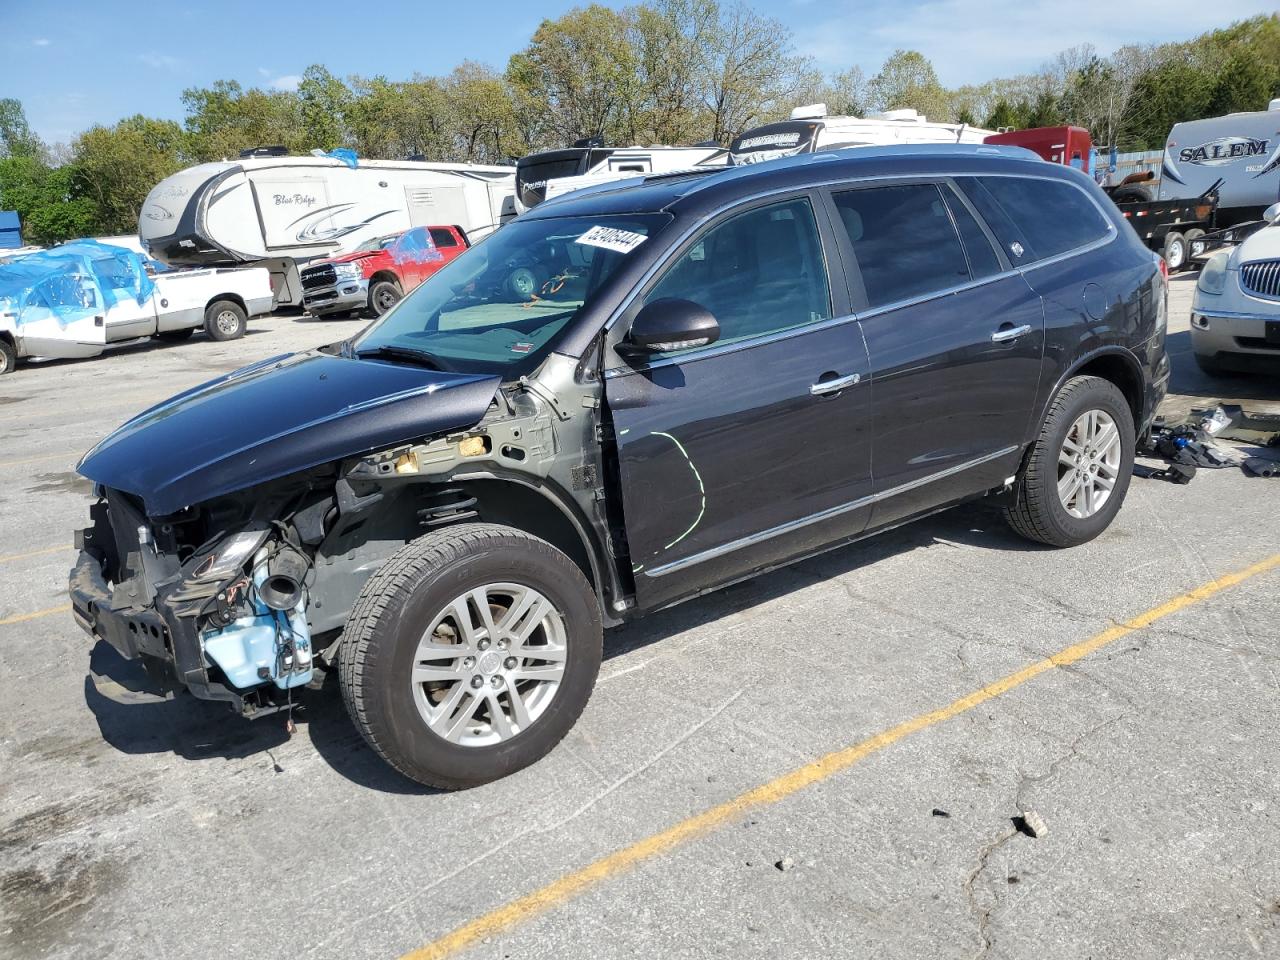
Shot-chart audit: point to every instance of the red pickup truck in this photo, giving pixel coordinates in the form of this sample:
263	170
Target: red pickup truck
379	274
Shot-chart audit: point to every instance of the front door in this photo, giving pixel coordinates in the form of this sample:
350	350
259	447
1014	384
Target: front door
955	338
62	316
741	454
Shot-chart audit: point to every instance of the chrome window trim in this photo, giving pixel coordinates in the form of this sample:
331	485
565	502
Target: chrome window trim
713	350
802	522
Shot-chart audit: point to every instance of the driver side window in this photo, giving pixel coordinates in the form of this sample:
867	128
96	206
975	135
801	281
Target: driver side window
758	273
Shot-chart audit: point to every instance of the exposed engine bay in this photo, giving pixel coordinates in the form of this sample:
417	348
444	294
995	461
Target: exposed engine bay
243	597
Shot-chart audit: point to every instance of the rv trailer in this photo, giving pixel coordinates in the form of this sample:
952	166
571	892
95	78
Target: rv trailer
282	211
550	173
1241	149
810	130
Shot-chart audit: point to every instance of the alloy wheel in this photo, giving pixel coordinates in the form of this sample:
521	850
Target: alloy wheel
490	664
1089	464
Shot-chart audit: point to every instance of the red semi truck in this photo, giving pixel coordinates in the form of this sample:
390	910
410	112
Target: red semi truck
377	276
1173	228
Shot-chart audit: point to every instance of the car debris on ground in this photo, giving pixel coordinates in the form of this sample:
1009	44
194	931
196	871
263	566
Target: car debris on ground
1193	444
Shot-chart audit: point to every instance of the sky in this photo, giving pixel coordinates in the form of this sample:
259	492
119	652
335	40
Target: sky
74	63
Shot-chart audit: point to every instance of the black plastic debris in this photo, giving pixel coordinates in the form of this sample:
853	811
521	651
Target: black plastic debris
1262	467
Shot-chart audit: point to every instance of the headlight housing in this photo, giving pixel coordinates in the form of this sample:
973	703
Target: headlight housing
1213	278
347	271
231	554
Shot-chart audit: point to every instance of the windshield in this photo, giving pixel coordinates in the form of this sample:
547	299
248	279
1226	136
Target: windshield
499	306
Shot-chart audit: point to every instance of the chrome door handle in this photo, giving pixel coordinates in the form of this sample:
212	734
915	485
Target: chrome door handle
831	386
1013	333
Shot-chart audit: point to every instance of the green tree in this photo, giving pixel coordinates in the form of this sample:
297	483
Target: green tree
1243	83
16	137
49	204
116	167
908	80
225	118
323	101
577	76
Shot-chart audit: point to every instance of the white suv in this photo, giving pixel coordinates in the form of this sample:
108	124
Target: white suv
1235	317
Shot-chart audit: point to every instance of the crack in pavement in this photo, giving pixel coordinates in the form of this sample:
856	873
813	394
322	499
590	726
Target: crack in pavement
984	914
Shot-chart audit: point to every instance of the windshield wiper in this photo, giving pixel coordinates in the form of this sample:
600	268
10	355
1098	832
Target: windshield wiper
413	355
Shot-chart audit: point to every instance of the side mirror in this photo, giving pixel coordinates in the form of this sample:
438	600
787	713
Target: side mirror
670	324
1272	213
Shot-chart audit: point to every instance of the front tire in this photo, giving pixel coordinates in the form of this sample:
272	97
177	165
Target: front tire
225	320
384	295
1078	473
1175	251
470	654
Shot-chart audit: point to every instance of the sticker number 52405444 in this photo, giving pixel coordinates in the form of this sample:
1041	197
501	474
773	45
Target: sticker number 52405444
612	238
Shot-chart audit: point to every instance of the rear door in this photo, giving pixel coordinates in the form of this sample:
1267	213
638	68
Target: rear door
954	337
753	449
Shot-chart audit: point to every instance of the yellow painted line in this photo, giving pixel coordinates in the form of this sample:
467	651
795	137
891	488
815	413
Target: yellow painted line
34	553
24	617
567	887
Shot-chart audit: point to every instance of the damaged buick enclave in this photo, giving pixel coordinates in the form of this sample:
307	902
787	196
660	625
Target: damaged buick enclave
716	373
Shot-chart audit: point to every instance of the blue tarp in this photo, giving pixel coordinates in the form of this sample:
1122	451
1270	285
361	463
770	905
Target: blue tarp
415	246
73	280
10	230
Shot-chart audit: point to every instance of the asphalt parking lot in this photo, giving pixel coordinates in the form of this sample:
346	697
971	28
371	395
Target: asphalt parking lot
825	761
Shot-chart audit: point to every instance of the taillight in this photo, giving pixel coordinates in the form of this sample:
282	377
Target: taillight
1164	268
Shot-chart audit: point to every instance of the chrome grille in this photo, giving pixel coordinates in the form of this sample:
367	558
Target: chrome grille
321	276
1261	278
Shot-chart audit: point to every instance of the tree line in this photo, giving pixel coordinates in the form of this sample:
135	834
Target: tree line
662	71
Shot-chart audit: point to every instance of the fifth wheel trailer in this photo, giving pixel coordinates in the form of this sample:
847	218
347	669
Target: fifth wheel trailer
1242	150
281	211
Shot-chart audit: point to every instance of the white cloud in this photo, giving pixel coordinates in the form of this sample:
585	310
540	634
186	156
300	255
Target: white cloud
40	42
158	61
970	41
289	82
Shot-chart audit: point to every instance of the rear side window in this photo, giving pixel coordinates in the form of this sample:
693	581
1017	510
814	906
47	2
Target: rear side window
1054	216
982	259
904	241
442	237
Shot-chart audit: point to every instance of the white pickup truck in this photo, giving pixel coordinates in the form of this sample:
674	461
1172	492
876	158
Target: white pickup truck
73	300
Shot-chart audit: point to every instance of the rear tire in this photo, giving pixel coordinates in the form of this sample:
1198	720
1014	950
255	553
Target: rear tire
225	320
397	662
1052	501
176	336
8	357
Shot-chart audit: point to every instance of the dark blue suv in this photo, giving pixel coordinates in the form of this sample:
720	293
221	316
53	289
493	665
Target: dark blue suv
713	374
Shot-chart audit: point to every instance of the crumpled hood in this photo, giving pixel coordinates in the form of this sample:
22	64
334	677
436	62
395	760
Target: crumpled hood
277	417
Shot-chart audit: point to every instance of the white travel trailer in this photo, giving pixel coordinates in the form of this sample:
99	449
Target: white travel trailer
810	130
281	211
1241	149
551	173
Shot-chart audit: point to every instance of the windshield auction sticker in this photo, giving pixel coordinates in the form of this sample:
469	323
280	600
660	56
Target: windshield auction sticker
611	238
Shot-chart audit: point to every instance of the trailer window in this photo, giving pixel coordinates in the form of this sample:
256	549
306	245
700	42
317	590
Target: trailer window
1055	216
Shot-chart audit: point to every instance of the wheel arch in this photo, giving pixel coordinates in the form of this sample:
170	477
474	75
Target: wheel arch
385	274
521	503
1113	364
232	297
